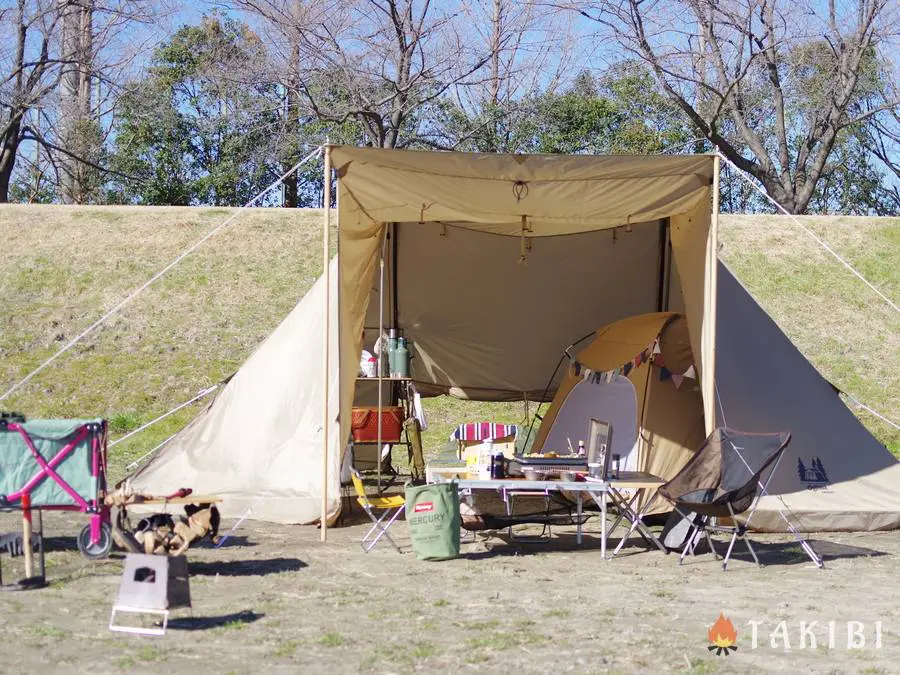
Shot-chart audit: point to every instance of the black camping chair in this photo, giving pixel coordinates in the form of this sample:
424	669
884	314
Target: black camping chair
722	480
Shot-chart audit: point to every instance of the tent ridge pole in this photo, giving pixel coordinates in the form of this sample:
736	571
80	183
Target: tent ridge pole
326	235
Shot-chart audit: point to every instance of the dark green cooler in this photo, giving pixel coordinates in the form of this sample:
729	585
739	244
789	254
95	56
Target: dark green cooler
432	512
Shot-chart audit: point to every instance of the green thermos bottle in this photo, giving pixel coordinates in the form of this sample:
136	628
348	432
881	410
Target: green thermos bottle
401	358
392	352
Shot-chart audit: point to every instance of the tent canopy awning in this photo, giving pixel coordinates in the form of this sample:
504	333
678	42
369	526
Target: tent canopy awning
489	315
556	194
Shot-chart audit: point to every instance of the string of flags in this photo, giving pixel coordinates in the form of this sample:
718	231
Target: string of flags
652	353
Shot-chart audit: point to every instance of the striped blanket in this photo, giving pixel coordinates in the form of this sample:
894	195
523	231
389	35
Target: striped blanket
479	431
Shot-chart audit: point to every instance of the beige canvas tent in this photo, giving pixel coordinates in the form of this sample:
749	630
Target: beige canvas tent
492	265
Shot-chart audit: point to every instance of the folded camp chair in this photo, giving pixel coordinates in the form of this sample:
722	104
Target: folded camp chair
391	506
722	480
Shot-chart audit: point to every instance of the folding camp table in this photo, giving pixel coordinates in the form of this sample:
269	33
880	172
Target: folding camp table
507	485
640	482
598	490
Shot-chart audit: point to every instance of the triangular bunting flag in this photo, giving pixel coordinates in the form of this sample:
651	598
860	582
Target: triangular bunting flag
656	349
664	373
691	372
577	367
677	380
659	360
627	368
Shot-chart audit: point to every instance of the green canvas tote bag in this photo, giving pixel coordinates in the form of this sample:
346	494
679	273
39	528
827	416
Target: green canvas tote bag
432	512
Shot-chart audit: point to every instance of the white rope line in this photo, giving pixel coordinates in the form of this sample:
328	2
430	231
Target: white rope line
812	234
225	537
158	275
137	462
869	410
721	407
200	394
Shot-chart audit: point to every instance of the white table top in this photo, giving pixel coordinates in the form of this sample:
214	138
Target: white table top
626	480
534	485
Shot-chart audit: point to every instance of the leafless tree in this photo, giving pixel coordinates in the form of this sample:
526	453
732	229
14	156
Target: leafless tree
531	49
771	83
379	63
30	76
60	72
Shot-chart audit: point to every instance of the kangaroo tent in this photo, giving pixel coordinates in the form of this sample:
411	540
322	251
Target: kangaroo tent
492	265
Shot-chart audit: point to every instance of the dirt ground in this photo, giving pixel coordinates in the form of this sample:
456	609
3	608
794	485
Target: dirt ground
274	599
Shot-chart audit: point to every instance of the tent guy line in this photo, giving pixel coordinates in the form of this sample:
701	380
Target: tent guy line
131	296
136	463
200	394
862	405
812	234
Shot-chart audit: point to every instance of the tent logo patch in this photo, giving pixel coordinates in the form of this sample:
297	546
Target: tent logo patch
423	507
722	636
813	475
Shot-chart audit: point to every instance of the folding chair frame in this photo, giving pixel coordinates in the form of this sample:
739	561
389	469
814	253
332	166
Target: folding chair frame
739	530
378	522
368	545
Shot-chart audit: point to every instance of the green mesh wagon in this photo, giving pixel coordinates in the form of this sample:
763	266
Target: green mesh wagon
61	466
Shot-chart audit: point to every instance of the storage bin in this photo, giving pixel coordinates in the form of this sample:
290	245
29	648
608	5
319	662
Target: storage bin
364	424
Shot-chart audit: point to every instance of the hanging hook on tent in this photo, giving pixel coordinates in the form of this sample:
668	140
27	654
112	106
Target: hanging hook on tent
524	240
520	190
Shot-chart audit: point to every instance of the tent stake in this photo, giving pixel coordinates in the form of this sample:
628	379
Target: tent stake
326	235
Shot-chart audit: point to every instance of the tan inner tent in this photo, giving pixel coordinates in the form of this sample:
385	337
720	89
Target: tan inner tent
669	419
496	263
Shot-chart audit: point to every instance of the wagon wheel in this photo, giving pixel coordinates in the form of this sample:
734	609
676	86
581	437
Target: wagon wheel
122	532
99	550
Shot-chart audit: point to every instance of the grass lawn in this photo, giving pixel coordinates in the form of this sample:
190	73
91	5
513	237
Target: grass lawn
61	268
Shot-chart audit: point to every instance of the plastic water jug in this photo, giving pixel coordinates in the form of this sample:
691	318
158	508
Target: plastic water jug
485	458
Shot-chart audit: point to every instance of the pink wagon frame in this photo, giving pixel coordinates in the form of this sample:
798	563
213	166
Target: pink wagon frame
94	540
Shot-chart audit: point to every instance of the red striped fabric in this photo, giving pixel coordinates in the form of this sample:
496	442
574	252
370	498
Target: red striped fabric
479	431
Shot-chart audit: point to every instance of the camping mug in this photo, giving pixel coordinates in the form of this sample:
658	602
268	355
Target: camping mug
498	465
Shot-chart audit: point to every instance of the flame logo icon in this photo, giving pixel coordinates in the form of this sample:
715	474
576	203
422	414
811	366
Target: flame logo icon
723	636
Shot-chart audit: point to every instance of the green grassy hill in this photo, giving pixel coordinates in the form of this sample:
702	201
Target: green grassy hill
62	267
